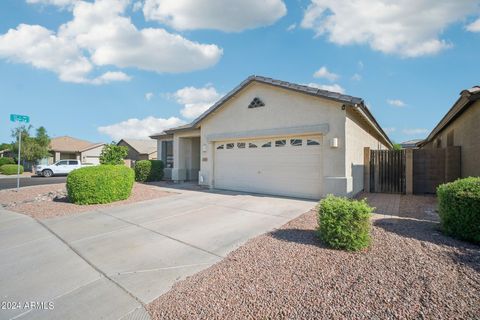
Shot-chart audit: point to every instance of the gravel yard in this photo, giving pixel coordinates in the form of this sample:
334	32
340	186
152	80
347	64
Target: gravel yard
410	271
49	201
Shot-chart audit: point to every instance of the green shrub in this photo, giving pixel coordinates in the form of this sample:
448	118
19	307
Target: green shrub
6	160
343	223
148	170
9	169
100	184
459	208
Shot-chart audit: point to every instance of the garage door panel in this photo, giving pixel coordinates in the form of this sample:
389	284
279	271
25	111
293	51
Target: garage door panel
282	170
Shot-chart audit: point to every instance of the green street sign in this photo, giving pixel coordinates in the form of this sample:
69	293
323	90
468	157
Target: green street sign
19	118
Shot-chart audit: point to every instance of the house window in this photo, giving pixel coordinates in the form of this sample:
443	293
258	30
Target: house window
252	145
312	142
267	145
256	103
280	143
220	147
438	143
241	145
230	145
167	153
296	142
450	138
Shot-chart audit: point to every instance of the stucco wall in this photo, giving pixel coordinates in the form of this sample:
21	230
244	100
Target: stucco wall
92	155
283	108
466	134
358	136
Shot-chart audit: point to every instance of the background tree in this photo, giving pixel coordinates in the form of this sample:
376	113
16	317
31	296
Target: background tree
397	146
5	146
33	148
113	154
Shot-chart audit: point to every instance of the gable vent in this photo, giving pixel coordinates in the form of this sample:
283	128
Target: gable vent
256	103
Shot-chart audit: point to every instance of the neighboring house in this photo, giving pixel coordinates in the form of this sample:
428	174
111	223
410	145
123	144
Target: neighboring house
460	127
70	148
6	153
274	137
140	149
410	144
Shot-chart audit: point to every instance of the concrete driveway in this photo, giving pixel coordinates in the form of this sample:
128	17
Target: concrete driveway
108	264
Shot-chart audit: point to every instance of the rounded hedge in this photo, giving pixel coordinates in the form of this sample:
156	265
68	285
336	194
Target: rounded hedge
9	169
148	170
100	184
6	160
343	223
459	208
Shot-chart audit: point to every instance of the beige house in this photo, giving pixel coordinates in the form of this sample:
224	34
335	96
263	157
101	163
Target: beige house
274	137
140	149
70	148
460	127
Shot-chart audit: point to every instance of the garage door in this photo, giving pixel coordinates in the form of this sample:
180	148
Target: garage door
288	166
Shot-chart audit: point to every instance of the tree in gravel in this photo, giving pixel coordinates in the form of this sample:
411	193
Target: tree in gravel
33	148
113	154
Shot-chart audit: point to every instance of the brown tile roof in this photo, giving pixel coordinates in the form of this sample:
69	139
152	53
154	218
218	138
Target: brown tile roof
69	144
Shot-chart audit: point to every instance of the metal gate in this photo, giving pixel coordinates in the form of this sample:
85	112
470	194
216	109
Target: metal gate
387	171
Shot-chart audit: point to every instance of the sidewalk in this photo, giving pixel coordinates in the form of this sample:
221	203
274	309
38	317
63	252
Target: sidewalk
43	278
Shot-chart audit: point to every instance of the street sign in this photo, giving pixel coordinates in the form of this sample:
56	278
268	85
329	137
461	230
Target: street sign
19	118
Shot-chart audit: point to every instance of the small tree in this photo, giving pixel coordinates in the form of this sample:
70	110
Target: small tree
33	148
113	154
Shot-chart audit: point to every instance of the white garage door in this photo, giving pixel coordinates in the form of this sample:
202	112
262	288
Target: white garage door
289	166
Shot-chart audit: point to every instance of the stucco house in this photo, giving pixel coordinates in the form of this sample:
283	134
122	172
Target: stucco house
275	137
66	147
140	149
460	127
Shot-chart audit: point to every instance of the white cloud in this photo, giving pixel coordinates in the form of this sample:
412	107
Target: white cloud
112	39
292	27
324	73
389	130
196	101
229	16
139	128
474	26
396	103
148	96
415	131
58	3
100	35
407	28
110	76
329	87
42	49
357	77
137	5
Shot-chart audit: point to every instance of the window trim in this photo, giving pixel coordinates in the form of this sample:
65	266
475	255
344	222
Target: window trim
296	140
312	142
280	143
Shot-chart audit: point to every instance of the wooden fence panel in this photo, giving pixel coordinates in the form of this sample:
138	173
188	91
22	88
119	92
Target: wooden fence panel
387	171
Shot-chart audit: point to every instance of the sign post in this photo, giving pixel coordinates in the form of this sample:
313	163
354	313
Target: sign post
20	119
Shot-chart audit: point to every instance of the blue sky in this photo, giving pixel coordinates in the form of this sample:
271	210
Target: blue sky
104	69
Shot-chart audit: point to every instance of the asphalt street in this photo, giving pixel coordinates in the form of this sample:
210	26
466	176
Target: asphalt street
9	183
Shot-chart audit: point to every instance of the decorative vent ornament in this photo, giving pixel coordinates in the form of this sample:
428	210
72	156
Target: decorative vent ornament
256	103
